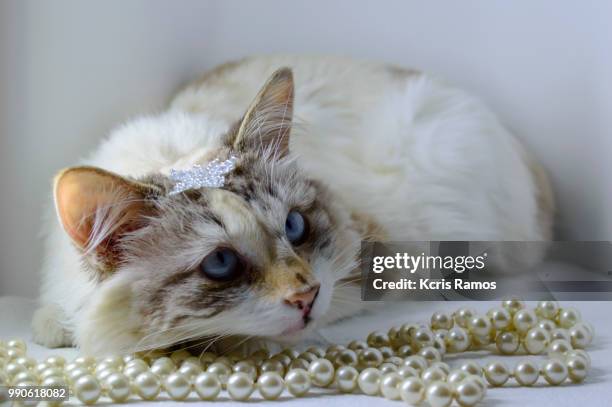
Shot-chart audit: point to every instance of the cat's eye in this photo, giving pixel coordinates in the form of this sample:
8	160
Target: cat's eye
296	228
222	264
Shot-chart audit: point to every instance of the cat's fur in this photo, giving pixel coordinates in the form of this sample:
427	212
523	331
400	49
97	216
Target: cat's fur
376	152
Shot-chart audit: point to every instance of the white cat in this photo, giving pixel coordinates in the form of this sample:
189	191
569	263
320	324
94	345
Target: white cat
385	153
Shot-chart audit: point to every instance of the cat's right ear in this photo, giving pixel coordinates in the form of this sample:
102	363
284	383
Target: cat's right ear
95	207
268	120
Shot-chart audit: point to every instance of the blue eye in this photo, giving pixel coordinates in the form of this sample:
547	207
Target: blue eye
222	264
296	228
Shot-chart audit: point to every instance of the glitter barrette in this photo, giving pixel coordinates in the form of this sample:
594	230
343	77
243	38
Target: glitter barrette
211	176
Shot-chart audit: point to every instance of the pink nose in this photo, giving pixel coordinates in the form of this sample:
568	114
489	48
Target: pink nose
303	301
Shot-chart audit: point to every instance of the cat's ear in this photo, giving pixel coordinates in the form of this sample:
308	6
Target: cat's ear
96	207
267	122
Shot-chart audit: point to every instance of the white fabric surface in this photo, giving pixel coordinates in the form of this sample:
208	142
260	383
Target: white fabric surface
15	315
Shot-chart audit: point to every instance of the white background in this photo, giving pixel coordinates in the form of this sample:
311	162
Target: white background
71	70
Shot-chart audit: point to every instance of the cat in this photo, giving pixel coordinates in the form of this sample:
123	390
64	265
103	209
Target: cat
350	151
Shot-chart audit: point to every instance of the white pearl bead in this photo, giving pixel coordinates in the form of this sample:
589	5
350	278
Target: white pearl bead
85	361
297	382
580	336
547	309
207	385
270	385
439	394
568	317
248	368
432	374
457	340
369	381
222	371
500	318
496	373
430	354
513	305
416	362
580	353
423	337
346	357
456	376
190	370
177	386
387	368
479	325
163	366
321	372
87	389
370	357
115	361
526	373
346	378
118	387
558	348
536	340
471	368
240	386
468	393
147	385
407	371
412	390
441	320
524	320
272	365
507	342
576	368
554	371
389	386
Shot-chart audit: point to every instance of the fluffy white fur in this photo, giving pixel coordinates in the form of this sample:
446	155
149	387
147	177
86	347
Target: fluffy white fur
422	159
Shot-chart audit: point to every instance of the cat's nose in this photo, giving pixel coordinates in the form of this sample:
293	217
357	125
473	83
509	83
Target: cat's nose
303	300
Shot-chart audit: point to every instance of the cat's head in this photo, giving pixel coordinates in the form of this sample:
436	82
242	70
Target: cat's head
258	256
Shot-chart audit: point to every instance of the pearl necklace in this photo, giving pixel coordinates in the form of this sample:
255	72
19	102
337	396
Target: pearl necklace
405	363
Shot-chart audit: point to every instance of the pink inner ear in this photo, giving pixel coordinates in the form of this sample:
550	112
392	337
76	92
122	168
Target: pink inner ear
81	193
76	203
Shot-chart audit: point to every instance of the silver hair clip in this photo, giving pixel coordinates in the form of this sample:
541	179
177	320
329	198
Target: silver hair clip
211	176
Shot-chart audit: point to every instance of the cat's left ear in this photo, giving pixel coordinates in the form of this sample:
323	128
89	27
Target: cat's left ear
267	122
97	207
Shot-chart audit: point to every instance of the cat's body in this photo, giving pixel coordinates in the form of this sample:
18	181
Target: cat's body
405	157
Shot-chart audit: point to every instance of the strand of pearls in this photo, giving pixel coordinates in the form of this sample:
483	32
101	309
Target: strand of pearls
404	363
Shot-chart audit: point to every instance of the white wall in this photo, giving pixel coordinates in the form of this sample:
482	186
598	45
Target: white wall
70	70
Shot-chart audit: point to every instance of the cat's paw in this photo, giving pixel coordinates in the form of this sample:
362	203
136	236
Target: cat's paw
48	330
